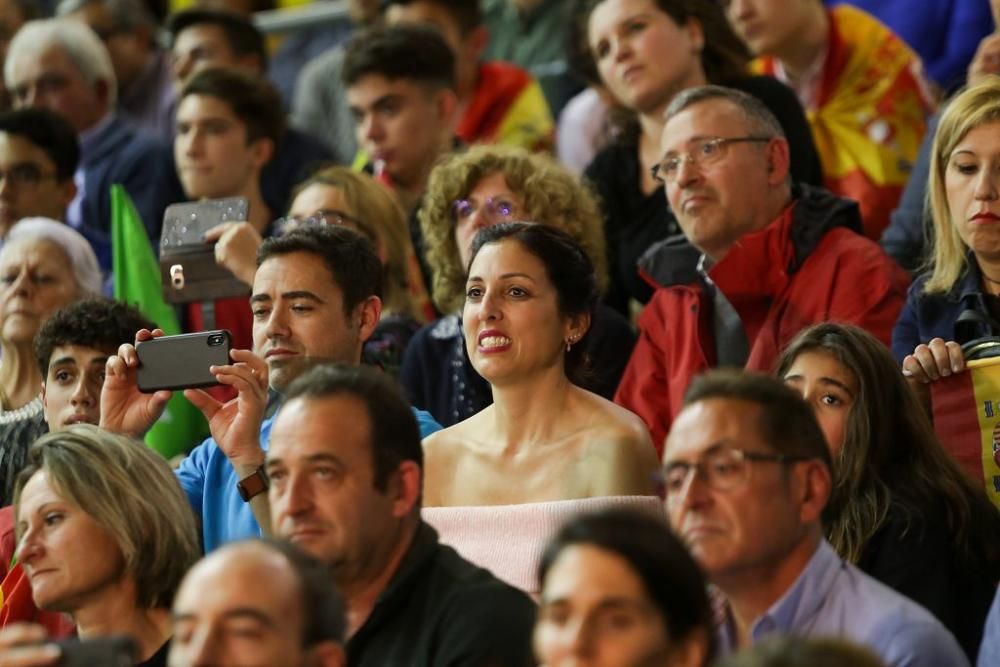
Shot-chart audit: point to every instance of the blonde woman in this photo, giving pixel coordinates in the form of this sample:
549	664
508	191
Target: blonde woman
958	300
105	534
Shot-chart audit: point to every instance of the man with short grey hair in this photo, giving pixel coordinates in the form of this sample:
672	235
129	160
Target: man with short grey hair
775	256
142	68
61	65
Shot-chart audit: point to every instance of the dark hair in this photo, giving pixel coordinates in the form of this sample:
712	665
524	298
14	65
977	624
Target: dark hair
50	132
891	457
723	57
672	580
804	652
395	435
567	266
414	53
253	100
350	257
242	36
787	423
322	606
98	323
467	14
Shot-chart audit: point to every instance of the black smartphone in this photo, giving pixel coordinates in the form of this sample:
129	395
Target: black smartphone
103	651
182	361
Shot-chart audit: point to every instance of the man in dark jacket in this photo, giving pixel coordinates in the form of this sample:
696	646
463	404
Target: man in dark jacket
345	468
773	259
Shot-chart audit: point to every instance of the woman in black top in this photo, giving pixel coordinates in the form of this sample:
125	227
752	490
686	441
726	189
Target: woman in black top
476	188
901	509
645	52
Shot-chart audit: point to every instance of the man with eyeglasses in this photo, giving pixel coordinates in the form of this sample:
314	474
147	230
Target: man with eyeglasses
746	478
775	257
39	153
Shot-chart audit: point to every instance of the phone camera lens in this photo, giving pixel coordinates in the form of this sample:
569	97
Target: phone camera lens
216	340
177	276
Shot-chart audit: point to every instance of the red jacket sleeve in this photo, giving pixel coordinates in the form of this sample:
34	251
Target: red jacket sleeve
645	388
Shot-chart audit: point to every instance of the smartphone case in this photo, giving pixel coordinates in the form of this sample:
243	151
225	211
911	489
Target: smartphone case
182	361
103	651
188	270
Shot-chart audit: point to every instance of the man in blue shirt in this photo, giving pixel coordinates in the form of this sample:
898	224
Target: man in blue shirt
747	476
315	299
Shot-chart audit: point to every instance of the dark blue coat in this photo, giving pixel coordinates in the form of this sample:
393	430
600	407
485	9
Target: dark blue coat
960	315
123	154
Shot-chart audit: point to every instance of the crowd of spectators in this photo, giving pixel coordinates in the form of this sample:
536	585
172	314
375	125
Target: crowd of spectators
621	333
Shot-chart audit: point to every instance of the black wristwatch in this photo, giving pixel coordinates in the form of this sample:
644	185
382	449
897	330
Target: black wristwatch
253	485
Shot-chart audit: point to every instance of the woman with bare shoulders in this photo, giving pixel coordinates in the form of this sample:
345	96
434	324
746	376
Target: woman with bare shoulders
530	298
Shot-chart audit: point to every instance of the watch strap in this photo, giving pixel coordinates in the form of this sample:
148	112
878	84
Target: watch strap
253	485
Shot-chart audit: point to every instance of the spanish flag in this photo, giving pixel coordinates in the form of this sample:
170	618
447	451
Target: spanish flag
967	420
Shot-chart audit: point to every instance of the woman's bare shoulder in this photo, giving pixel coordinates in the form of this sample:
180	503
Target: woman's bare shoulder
460	435
613	423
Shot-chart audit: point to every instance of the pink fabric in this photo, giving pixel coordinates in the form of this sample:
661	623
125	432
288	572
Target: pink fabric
508	540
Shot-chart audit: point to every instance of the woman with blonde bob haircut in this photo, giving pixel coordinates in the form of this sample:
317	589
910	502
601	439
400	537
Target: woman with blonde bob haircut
958	300
478	188
105	534
376	214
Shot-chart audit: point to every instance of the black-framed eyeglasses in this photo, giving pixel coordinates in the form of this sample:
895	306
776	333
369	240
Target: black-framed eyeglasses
722	469
326	216
27	173
703	152
498	209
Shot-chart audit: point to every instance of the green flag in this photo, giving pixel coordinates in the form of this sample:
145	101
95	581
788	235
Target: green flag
137	282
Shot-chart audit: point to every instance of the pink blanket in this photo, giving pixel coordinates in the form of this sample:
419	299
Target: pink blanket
509	540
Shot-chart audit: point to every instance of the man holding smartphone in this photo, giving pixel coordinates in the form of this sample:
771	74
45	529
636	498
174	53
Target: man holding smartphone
315	299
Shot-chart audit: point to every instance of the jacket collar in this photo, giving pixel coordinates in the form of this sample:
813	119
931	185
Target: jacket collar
768	255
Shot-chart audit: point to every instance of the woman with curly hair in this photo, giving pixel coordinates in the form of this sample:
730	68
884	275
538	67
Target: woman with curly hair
474	189
901	509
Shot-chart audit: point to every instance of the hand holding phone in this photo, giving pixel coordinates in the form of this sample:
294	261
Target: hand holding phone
236	245
125	409
235	424
23	645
